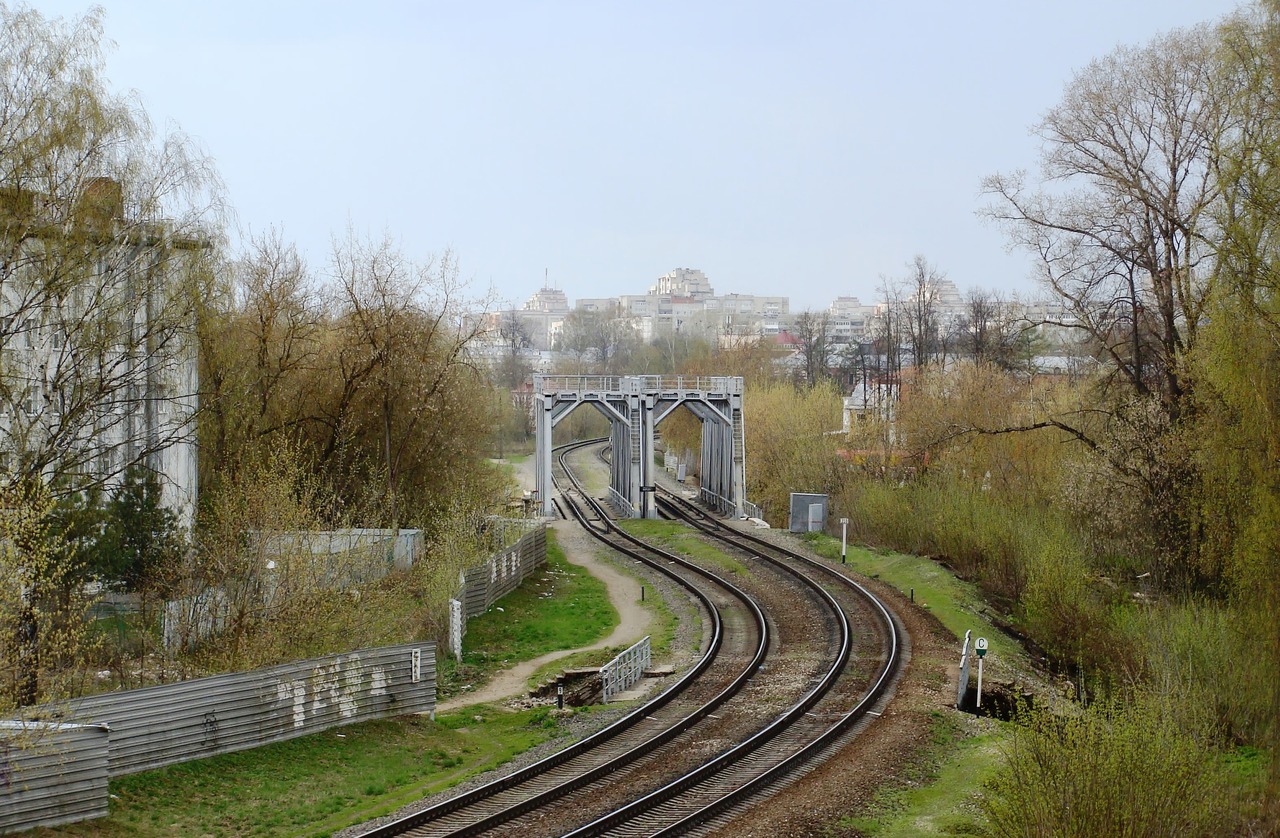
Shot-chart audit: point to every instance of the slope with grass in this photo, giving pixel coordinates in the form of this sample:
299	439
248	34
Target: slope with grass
316	784
319	784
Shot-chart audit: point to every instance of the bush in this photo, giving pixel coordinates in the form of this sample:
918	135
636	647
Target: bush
1207	647
1067	614
981	534
1137	768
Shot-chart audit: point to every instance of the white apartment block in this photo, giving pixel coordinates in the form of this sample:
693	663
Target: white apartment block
550	300
680	302
684	302
98	356
683	282
596	304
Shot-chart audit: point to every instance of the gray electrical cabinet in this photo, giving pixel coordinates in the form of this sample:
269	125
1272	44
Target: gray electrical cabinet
808	512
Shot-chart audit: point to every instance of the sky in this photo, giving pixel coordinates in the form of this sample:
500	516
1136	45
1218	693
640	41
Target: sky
804	148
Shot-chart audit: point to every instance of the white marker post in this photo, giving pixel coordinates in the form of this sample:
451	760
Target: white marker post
980	646
844	541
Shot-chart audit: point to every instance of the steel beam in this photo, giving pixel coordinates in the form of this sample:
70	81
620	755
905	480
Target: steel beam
634	406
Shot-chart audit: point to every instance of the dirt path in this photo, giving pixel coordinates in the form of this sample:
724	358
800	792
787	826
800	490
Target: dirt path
624	592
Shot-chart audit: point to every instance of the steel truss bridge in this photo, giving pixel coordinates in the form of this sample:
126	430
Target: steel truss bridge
634	405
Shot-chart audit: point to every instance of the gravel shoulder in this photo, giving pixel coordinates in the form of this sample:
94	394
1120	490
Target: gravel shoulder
881	756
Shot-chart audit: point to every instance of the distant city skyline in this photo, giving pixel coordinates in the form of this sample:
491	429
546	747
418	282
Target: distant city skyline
805	149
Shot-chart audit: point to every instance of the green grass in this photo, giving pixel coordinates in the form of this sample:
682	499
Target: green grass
949	775
945	786
318	784
681	539
559	606
662	629
957	604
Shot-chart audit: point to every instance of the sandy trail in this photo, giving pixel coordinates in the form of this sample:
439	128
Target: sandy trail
624	592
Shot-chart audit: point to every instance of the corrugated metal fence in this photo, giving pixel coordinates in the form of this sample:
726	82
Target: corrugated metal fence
171	723
51	774
486	583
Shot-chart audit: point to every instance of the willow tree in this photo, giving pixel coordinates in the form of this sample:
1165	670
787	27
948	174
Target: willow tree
104	231
105	227
1238	379
261	333
402	403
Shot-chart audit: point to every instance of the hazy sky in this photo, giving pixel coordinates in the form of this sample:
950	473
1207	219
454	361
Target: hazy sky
800	148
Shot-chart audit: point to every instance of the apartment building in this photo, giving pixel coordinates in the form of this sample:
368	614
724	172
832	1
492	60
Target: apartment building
98	360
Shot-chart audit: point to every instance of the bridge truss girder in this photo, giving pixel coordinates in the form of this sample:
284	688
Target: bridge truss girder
634	406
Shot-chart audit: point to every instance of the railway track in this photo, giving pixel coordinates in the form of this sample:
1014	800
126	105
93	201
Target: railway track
766	696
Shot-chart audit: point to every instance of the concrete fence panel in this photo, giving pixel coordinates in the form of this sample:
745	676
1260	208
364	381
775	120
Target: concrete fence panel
293	560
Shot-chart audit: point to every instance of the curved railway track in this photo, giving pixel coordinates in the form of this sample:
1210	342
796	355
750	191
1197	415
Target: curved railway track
754	709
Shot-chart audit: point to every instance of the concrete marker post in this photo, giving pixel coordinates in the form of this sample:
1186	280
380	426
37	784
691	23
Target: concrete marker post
844	541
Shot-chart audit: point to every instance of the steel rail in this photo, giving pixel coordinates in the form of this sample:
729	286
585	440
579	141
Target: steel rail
802	756
657	798
601	737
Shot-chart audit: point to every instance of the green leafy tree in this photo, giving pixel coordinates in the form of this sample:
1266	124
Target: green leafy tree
1238	378
141	539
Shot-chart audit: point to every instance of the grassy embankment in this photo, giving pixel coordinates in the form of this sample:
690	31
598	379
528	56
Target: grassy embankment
318	784
946	779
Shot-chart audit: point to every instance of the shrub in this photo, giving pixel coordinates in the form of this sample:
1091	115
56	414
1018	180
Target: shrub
1138	768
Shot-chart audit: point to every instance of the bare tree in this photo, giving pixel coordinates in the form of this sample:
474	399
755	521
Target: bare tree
515	340
920	317
887	334
601	340
812	329
989	331
1120	219
853	364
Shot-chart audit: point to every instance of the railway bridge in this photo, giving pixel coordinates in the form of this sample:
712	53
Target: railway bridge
634	406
